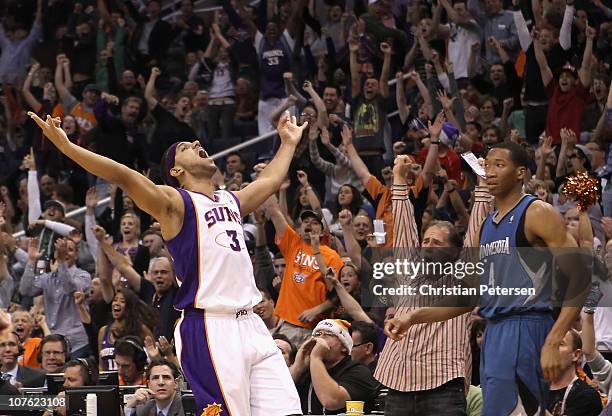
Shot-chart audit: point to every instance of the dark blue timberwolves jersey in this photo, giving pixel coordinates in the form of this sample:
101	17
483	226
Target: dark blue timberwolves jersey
517	276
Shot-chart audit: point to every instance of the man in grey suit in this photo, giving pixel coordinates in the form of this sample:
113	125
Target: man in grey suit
161	397
17	375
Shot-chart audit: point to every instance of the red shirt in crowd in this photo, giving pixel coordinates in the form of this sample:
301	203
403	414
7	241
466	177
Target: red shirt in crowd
564	109
450	162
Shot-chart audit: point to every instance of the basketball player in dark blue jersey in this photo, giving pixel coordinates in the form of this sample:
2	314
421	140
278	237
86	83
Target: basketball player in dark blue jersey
521	343
232	364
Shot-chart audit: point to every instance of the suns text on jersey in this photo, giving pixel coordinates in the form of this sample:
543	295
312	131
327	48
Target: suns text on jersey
305	259
221	214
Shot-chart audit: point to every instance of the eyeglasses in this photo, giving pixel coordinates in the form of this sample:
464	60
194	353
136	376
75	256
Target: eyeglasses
359	345
50	353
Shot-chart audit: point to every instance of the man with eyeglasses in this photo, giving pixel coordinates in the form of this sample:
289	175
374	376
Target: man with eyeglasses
365	342
17	375
53	353
325	375
161	397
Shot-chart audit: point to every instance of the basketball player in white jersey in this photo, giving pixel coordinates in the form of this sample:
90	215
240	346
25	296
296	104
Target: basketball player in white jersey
231	362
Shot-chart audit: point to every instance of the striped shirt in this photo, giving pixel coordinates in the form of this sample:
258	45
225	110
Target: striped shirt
434	353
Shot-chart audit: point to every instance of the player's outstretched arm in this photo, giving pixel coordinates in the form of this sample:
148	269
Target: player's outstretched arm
158	201
271	178
543	222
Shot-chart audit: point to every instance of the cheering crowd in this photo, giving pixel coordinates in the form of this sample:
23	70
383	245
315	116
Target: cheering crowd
376	80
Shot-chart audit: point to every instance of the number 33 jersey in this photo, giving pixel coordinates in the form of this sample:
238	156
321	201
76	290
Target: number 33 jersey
213	267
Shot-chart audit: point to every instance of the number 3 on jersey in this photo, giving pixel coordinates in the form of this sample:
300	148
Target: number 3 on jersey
233	235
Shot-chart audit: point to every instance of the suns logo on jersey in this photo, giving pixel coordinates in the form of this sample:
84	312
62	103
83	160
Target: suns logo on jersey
298	277
212	410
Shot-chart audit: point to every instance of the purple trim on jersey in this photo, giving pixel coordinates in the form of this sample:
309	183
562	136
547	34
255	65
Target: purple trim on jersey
235	198
185	251
107	361
198	364
214	198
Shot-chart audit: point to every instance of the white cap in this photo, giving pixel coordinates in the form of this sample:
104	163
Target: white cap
339	328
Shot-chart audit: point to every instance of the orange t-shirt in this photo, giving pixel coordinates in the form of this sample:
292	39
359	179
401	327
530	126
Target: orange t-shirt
303	285
86	120
384	209
140	382
30	353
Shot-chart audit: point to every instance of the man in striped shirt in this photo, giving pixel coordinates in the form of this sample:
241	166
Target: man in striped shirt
426	370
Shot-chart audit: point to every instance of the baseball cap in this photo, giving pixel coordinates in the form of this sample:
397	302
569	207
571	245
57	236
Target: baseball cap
249	240
449	134
92	87
570	69
56	204
311	214
588	155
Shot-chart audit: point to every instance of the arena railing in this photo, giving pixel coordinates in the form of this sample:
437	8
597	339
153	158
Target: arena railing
104	201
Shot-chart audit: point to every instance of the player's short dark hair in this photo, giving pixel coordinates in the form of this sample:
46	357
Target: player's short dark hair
292	351
367	331
518	154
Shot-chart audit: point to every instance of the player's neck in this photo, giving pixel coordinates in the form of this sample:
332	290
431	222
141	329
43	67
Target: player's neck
564	379
504	203
202	186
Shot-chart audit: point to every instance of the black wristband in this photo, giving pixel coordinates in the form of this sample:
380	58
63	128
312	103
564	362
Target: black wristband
434	142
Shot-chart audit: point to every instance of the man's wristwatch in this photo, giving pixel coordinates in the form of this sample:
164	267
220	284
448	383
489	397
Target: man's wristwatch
434	142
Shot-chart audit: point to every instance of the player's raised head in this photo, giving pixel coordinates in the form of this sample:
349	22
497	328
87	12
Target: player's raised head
505	166
185	160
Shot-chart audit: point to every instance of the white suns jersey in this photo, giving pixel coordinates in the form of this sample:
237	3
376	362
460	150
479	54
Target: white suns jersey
213	266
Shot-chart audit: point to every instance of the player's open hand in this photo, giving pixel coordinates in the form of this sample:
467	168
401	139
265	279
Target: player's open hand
397	327
51	128
288	129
